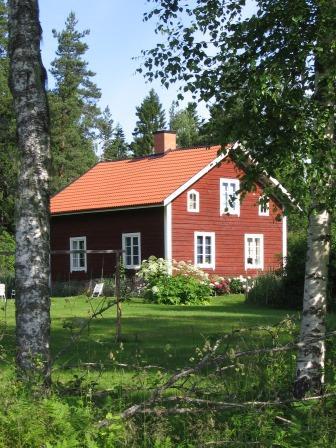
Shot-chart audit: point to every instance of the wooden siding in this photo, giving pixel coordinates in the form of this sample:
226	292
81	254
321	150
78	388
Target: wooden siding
229	230
104	231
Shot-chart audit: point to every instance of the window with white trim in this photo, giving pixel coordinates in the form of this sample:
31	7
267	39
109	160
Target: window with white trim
131	244
254	251
204	249
193	201
78	261
263	206
229	199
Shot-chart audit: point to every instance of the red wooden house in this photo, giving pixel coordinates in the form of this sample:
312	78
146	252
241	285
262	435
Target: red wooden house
177	204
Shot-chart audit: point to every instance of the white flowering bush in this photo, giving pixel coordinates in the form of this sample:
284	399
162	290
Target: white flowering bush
153	269
187	284
189	270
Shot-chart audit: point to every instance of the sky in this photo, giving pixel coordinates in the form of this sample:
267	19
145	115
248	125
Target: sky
117	36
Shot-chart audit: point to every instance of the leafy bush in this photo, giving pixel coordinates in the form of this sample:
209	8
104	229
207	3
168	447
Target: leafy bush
70	288
27	420
7	244
285	289
187	285
267	289
190	270
220	286
238	285
178	290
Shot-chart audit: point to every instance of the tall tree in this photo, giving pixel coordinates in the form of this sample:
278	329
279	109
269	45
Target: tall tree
8	145
151	118
112	138
276	70
73	103
186	124
27	82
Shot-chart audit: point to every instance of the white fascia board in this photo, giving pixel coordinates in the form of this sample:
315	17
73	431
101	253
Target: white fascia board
168	238
197	176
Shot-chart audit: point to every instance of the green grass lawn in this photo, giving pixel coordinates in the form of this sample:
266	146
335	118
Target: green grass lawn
173	337
153	334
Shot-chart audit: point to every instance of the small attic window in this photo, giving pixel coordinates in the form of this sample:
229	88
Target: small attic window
193	201
263	206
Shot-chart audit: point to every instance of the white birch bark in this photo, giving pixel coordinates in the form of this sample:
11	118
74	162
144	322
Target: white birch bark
27	82
311	356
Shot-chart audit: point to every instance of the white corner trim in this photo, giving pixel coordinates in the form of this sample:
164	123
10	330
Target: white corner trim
284	240
168	238
198	175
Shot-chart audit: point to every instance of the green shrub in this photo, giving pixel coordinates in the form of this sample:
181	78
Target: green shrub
7	244
238	285
178	290
70	288
188	284
267	289
285	289
27	421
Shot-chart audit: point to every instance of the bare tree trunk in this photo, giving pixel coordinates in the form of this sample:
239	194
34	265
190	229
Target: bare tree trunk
27	82
310	360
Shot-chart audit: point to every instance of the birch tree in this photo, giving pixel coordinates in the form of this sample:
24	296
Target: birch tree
27	83
271	66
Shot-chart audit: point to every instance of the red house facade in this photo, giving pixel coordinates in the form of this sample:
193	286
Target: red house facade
177	204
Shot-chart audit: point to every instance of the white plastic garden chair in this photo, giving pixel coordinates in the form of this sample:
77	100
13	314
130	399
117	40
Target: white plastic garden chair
98	290
3	291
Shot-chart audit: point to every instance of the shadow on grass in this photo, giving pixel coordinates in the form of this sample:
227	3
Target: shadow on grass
154	334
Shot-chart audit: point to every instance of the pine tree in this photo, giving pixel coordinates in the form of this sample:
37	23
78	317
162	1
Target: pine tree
74	112
186	124
113	141
151	118
8	146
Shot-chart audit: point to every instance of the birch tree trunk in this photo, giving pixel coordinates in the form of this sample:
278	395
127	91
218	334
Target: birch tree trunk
27	82
311	356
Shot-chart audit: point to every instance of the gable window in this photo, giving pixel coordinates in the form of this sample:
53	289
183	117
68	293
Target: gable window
229	199
204	249
254	251
263	206
193	201
78	260
131	244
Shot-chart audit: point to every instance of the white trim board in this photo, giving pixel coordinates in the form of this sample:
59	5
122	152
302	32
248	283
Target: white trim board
168	234
284	240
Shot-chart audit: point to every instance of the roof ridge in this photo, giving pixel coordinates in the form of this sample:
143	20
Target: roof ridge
146	156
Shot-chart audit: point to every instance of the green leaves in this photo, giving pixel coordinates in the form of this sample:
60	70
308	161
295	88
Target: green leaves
270	73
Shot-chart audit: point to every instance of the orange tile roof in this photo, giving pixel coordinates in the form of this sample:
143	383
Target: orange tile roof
133	182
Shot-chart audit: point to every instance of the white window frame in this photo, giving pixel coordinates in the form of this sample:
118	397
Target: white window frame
230	210
72	267
213	250
261	211
131	235
254	265
197	208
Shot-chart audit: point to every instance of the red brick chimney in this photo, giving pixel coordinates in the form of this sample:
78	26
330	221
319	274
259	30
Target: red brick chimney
163	141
